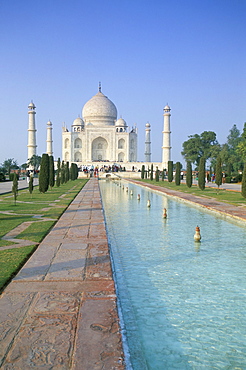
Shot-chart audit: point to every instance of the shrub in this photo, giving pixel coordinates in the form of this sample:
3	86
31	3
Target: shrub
177	173
15	187
157	175
151	172
51	171
2	177
243	188
189	174
142	171
11	176
201	174
44	174
30	185
170	171
218	173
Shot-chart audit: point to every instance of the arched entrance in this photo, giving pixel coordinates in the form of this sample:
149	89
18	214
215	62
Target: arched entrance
99	149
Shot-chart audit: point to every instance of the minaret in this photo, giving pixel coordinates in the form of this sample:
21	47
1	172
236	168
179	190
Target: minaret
49	140
147	143
31	131
166	148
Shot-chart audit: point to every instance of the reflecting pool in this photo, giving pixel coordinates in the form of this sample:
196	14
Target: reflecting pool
183	303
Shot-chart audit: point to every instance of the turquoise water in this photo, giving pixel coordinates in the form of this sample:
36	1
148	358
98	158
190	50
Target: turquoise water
183	303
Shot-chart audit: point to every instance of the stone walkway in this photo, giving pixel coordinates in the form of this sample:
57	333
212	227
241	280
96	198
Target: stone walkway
60	312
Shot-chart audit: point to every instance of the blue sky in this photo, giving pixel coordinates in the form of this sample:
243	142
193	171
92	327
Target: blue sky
187	53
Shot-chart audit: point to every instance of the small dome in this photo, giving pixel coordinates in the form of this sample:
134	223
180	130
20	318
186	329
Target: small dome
120	122
167	108
31	106
49	123
100	111
147	124
78	122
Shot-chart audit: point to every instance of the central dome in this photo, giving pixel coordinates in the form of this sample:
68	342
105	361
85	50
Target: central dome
100	111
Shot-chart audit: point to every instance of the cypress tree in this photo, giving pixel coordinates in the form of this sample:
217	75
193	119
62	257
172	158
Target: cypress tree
243	187
151	172
170	171
178	173
66	171
15	187
142	171
44	174
52	171
58	173
189	174
162	174
201	175
71	172
62	173
218	173
157	176
30	185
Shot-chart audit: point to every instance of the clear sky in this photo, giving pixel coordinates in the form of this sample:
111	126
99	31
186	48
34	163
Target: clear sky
190	54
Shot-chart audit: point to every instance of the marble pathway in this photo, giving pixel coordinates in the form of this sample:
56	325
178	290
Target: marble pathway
59	312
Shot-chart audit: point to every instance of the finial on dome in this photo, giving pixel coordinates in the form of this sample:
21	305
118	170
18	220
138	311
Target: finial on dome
100	88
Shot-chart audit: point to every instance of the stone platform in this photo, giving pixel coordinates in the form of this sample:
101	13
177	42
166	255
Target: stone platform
60	312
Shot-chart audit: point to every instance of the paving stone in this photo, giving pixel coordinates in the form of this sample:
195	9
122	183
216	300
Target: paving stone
96	347
67	281
14	307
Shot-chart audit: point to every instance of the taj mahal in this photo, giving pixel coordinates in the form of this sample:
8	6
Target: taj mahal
100	136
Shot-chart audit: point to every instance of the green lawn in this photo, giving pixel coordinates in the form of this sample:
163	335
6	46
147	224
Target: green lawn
232	197
30	208
11	260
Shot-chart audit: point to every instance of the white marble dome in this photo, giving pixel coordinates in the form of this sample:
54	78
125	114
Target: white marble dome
120	122
78	122
167	108
100	111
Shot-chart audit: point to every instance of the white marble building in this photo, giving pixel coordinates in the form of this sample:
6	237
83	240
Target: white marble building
99	135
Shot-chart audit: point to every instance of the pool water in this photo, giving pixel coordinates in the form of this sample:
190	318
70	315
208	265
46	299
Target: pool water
182	303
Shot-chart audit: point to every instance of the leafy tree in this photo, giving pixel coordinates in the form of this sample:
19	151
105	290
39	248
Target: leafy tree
218	173
189	174
201	175
241	147
198	146
151	172
243	187
52	171
30	185
44	174
24	166
8	165
157	175
34	162
142	171
58	173
15	187
177	173
230	156
170	171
